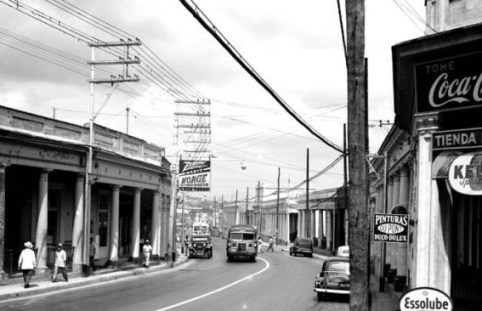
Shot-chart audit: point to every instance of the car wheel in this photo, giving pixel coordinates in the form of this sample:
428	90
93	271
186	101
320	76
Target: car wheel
320	296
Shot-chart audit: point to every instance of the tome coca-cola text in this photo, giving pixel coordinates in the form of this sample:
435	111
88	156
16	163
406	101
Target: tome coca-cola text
446	90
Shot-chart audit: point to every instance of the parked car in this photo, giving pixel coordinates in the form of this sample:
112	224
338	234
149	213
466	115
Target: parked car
343	251
334	277
302	246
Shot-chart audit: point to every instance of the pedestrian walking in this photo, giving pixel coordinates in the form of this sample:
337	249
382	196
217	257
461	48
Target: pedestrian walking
93	251
60	260
27	263
147	250
271	244
260	244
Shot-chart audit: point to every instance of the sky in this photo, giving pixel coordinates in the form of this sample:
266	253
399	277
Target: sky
295	46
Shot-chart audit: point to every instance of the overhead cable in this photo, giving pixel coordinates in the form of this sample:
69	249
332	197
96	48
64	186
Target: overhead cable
209	26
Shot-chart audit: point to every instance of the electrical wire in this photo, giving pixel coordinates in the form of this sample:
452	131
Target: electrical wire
209	26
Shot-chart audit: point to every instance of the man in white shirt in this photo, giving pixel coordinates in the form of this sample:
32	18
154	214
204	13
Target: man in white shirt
27	263
60	260
147	249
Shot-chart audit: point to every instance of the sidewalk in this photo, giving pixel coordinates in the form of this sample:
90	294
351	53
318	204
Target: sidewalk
41	286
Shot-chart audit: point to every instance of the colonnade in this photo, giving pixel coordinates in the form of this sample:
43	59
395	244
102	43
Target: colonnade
81	246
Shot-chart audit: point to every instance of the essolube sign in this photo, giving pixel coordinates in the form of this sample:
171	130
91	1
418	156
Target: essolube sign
425	299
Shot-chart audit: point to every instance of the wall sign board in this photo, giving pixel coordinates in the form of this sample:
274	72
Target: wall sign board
390	228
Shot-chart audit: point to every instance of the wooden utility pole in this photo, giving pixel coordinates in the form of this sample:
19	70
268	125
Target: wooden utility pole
277	206
307	208
358	199
247	205
236	217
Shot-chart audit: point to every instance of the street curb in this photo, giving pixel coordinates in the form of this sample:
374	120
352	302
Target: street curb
32	291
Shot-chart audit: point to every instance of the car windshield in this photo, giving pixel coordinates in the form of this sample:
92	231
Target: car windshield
241	236
304	242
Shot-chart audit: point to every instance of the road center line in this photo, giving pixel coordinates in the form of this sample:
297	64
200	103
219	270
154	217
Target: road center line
217	290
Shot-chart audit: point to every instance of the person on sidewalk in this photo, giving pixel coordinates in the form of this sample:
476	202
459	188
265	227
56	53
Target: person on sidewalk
260	244
93	250
60	260
271	244
27	263
147	250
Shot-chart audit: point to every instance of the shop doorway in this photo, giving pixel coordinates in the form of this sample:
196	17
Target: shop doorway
466	253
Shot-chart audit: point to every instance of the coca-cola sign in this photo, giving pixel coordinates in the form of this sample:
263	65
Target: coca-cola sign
451	83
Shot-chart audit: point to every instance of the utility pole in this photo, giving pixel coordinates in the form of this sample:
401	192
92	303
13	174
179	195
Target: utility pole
260	209
236	209
277	206
358	199
215	222
247	204
221	221
125	61
307	208
127	120
345	178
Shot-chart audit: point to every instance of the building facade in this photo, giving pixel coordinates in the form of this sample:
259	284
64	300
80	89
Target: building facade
324	219
46	199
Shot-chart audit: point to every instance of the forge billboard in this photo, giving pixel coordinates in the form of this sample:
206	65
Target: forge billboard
390	228
194	175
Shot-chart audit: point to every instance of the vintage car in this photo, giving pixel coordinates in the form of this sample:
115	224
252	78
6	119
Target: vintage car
334	277
200	246
302	246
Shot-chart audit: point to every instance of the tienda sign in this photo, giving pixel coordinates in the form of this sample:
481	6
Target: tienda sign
425	299
450	83
465	174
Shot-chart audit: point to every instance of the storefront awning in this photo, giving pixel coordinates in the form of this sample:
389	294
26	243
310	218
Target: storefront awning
441	164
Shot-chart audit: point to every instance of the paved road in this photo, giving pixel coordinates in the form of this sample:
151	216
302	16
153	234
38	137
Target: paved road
276	281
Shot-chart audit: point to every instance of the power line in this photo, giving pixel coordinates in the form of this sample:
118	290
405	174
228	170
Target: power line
209	26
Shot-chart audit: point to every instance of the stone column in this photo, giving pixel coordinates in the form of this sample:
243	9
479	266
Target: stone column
402	247
433	267
2	220
329	229
388	246
395	201
136	225
155	225
114	230
288	229
42	222
78	230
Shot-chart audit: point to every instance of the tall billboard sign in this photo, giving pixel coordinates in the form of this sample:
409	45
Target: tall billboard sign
194	176
449	83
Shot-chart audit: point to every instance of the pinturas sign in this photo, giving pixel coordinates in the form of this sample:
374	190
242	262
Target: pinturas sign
425	299
390	228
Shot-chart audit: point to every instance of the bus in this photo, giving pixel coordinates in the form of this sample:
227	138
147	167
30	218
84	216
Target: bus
200	229
242	243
